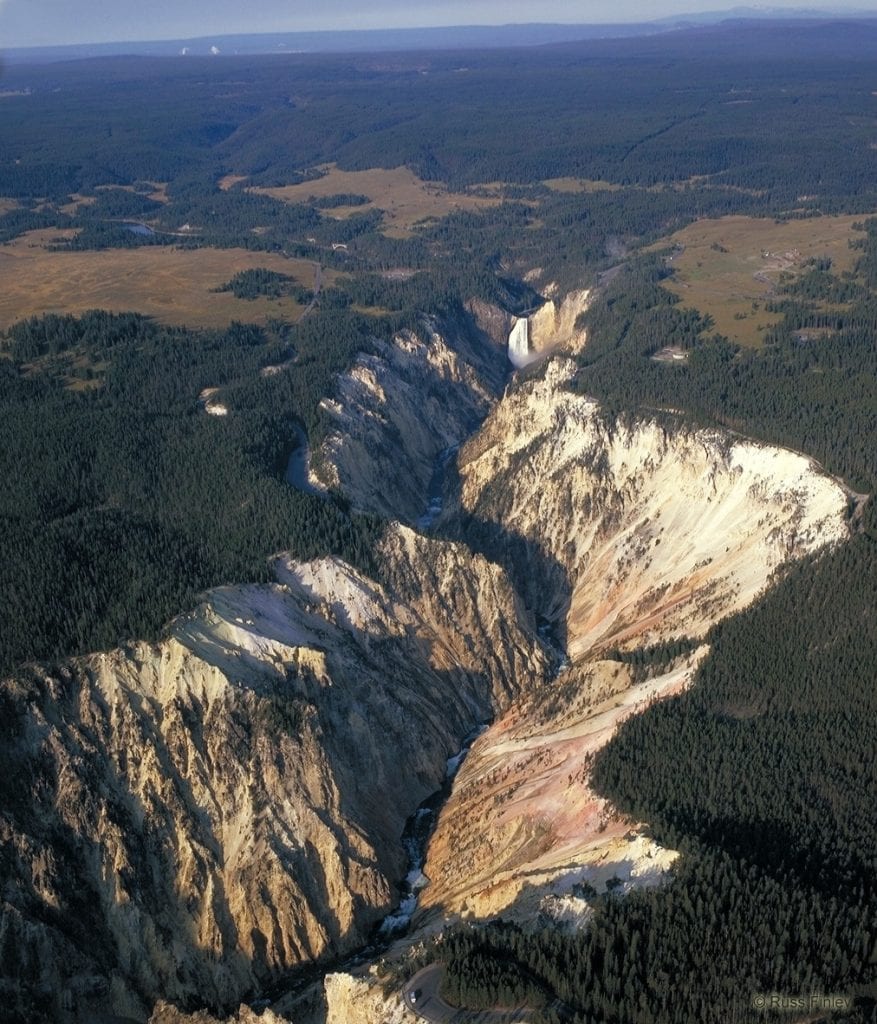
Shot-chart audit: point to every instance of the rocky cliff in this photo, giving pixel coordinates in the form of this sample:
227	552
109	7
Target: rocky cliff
523	830
622	533
400	406
190	819
626	531
554	325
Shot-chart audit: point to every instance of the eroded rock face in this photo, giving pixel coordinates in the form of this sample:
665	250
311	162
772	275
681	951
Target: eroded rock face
623	534
542	834
351	1000
167	1013
398	408
554	325
187	819
491	319
628	532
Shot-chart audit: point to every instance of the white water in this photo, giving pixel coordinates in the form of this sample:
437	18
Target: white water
415	839
435	502
519	343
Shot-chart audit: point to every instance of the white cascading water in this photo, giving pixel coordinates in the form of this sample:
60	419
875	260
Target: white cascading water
519	343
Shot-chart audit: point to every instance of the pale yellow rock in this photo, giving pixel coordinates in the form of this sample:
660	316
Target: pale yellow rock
523	824
553	326
399	407
165	1013
640	531
361	1000
235	794
626	534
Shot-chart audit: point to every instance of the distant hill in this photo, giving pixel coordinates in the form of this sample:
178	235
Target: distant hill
374	40
454	37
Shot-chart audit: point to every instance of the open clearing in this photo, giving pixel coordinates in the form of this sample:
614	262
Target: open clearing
579	185
158	193
729	267
173	285
230	180
404	198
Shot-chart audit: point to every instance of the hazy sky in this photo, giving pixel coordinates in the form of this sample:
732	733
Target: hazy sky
51	22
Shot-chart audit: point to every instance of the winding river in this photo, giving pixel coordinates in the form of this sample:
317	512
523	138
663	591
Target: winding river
415	839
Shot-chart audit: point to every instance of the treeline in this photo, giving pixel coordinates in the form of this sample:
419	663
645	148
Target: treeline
97	234
97	331
647	662
17	221
763	775
236	217
820	398
783	691
116	204
112	218
124	501
441	289
696	951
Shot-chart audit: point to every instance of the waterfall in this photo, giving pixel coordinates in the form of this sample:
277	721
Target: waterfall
519	343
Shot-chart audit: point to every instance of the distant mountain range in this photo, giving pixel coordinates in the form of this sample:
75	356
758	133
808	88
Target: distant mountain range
454	37
762	12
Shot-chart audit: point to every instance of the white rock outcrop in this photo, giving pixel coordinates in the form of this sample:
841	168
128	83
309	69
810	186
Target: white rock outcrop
639	531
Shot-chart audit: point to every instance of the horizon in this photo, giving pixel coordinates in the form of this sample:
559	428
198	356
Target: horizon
60	24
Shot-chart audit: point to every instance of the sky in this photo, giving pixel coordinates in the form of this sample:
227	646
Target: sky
56	22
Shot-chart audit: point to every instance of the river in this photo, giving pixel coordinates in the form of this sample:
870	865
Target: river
415	839
435	496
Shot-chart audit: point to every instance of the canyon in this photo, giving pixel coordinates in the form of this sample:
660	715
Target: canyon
206	814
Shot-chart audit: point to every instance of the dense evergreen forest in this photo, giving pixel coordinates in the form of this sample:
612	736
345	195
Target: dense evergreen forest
250	284
706	102
124	499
